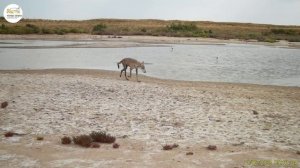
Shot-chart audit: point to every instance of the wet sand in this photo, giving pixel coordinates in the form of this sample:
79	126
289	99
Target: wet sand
246	122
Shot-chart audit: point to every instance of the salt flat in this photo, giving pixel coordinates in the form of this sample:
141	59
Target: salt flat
144	116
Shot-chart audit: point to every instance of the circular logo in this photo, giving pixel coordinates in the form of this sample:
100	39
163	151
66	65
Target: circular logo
13	13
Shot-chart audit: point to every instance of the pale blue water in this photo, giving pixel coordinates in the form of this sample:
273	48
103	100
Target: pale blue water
235	63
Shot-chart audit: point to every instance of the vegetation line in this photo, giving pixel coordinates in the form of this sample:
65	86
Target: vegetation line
174	28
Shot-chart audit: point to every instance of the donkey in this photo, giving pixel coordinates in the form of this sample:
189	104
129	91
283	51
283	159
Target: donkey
132	64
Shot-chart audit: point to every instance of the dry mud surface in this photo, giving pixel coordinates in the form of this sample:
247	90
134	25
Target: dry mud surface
144	116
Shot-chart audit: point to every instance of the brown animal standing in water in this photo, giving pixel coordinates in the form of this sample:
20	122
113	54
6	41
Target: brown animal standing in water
132	64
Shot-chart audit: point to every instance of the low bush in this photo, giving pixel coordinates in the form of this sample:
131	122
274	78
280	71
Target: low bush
167	147
47	31
83	140
9	134
170	147
284	31
32	29
180	27
115	145
39	138
102	137
4	104
99	28
66	140
95	145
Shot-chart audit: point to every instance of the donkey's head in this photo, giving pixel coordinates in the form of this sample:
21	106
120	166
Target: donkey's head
143	67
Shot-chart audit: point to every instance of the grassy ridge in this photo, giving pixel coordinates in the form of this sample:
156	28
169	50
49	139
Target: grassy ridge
175	28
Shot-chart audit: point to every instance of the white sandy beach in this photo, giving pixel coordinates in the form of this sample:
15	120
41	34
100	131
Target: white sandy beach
144	116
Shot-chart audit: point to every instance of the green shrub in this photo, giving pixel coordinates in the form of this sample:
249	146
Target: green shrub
32	29
252	36
75	30
60	31
126	29
46	31
179	27
185	30
27	29
266	39
99	28
284	31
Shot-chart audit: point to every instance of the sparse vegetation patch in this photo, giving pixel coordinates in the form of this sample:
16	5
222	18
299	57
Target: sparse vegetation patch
118	27
170	147
102	137
115	145
66	140
83	140
39	138
4	104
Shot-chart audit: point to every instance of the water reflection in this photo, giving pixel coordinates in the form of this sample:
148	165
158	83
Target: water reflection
223	63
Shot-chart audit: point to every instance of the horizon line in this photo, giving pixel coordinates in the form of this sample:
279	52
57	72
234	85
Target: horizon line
183	20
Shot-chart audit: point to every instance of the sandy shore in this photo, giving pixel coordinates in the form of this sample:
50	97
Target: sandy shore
144	116
142	41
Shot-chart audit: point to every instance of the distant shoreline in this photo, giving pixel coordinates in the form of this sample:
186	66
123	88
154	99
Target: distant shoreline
143	40
205	30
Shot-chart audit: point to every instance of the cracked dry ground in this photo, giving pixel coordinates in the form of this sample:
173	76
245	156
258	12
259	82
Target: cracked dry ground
244	121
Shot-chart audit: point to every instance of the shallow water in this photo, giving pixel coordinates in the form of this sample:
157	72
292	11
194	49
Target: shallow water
238	63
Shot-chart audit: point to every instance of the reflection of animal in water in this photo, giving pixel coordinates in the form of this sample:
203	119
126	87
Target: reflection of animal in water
217	59
132	64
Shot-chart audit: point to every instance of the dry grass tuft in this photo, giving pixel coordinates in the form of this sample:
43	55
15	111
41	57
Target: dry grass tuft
102	137
255	112
66	140
9	134
39	138
189	153
83	140
115	145
4	104
95	145
167	147
212	147
175	145
170	147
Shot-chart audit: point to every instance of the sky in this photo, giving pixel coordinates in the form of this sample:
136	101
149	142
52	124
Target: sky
280	12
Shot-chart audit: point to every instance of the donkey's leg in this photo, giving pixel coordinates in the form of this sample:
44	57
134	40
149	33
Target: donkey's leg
137	79
125	73
124	69
122	72
130	72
